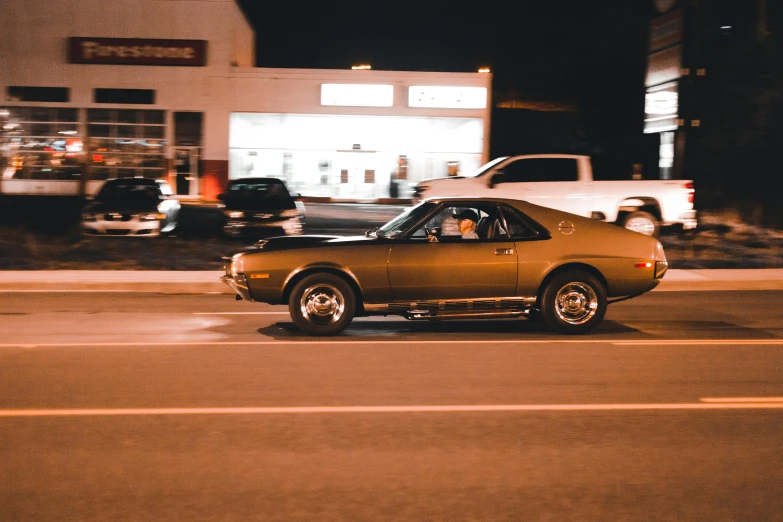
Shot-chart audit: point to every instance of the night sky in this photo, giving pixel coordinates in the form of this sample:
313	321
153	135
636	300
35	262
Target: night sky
553	49
588	54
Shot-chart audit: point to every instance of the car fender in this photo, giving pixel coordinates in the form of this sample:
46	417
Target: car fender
311	268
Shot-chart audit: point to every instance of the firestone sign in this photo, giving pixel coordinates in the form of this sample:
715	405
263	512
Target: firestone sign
137	51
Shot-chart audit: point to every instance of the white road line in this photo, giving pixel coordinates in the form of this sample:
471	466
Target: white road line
359	341
738	400
477	408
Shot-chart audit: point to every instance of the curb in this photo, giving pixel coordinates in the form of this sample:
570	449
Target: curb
207	282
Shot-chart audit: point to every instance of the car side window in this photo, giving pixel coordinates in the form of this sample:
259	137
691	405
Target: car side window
444	225
518	228
538	170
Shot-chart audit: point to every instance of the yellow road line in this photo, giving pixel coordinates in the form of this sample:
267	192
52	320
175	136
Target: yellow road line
479	408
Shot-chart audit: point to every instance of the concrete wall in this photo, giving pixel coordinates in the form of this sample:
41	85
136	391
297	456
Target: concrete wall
34	36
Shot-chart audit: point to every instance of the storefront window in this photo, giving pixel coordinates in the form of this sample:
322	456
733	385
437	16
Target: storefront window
40	143
126	143
352	156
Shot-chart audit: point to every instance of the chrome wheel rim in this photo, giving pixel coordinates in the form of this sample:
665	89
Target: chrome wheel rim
641	225
576	303
322	304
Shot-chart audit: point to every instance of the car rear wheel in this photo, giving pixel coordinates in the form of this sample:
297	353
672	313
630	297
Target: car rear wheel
573	303
322	304
642	222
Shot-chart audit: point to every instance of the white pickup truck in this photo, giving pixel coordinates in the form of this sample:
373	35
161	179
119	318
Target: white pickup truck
565	182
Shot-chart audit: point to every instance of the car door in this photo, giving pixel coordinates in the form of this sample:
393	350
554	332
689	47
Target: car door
456	269
547	181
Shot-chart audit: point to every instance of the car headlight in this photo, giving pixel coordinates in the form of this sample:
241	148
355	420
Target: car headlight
236	265
292	212
233	214
152	216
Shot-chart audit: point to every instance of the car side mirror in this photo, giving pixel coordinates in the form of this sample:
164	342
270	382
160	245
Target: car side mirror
221	197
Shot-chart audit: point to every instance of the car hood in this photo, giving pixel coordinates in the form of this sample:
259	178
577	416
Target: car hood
306	241
125	207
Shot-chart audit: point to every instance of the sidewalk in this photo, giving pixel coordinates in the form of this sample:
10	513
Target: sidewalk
200	282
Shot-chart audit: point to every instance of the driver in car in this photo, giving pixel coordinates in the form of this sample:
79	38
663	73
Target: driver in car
466	221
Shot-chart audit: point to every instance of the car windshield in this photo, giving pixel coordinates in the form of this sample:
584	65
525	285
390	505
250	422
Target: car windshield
485	167
128	192
258	190
404	221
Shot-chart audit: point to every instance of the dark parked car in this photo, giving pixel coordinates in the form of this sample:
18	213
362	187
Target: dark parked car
257	207
522	260
134	207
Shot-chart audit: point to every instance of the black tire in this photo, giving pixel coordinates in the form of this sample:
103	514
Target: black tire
322	304
573	302
642	222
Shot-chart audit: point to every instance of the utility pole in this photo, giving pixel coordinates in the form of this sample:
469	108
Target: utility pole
761	24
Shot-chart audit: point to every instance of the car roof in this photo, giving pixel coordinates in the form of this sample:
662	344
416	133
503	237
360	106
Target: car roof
256	180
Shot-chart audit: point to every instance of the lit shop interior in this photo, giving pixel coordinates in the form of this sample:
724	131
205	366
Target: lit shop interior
352	156
48	143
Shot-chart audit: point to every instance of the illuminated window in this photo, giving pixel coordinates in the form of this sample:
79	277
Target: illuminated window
41	142
126	143
357	95
441	97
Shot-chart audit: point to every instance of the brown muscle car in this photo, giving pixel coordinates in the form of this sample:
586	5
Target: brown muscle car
454	258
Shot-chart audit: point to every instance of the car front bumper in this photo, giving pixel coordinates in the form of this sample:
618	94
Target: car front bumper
238	284
238	228
132	228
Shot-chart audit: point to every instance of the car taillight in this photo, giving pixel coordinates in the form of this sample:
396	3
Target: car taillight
691	192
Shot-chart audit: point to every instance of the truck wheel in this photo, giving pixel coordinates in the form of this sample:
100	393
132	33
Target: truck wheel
573	303
642	222
322	304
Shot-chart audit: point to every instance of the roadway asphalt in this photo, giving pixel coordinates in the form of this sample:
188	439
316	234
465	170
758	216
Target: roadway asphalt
150	406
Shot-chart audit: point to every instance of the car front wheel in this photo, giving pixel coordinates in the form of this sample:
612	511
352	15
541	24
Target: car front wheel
322	304
573	303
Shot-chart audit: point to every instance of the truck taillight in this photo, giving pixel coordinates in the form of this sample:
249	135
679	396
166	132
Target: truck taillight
689	186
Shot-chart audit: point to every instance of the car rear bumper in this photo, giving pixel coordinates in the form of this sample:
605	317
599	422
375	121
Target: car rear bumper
689	220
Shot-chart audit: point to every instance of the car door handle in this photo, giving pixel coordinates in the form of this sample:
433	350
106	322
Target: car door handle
504	251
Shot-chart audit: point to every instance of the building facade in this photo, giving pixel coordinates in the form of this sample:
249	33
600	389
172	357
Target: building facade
168	89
